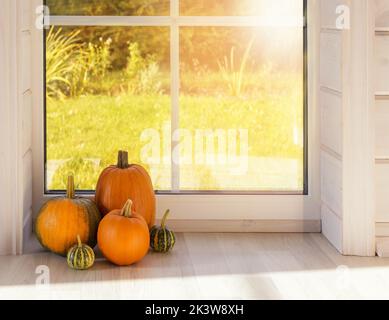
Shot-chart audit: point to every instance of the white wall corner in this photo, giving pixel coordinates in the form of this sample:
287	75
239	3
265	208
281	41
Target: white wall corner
359	133
331	99
313	103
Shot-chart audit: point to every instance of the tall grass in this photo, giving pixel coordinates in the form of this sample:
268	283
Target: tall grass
76	68
234	73
61	50
91	64
71	65
142	73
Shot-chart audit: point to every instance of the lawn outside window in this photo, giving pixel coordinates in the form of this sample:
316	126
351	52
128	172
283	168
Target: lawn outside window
209	102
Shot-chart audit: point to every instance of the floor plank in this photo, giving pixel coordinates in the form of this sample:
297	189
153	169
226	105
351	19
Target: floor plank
208	266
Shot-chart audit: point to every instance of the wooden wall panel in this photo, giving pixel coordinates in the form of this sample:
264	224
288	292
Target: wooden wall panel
382	64
24	65
331	183
382	128
382	191
26	108
382	13
25	62
331	60
331	121
332	228
27	183
25	15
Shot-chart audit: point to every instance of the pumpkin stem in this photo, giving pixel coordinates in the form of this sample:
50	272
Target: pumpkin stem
127	209
163	223
120	156
79	241
122	160
70	193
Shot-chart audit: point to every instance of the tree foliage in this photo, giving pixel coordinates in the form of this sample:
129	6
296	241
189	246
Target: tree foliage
203	45
109	7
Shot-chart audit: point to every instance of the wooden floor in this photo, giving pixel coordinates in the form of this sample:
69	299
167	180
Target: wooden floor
209	266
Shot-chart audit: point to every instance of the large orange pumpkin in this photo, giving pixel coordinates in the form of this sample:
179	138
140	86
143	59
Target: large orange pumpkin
123	236
62	219
121	182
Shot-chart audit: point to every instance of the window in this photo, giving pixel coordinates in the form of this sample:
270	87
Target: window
207	96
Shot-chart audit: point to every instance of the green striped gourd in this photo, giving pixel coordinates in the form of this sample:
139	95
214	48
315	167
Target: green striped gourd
161	239
81	256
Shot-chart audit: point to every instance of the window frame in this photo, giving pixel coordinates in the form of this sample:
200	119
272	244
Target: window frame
220	205
174	21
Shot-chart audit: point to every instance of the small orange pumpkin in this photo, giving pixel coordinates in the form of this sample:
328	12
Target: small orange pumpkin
121	182
123	236
62	219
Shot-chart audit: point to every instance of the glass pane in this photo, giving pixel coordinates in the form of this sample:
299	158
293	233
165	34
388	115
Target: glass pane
277	9
242	106
109	7
108	89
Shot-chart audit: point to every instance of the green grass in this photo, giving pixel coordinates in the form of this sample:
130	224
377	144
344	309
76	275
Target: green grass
85	133
96	127
96	107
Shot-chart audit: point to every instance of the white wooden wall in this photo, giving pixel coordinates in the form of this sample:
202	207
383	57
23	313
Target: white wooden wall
331	110
7	124
381	87
347	128
26	11
15	123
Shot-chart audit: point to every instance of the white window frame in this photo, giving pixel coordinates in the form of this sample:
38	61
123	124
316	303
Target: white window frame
191	211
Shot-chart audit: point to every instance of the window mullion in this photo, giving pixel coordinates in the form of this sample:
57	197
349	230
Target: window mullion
194	21
175	92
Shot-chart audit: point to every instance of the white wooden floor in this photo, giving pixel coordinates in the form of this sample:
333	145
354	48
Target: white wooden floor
209	266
